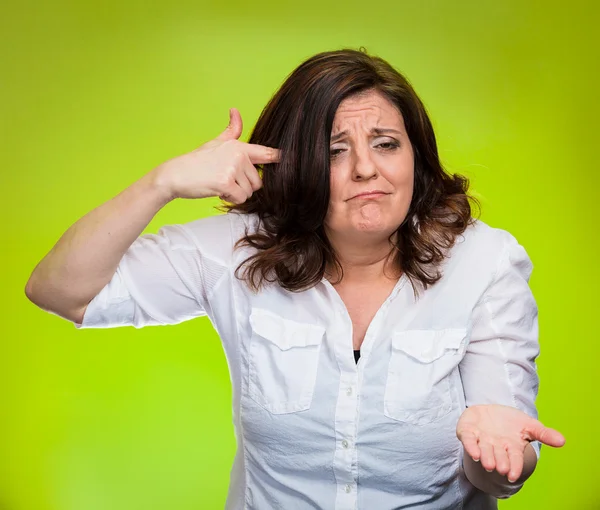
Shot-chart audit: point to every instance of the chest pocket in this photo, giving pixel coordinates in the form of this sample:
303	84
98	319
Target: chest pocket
418	385
283	360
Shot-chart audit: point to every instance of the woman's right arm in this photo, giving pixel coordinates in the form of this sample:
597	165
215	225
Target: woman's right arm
86	257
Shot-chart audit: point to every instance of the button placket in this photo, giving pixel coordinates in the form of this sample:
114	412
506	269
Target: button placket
345	425
344	462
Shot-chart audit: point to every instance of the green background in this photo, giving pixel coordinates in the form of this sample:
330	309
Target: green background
94	94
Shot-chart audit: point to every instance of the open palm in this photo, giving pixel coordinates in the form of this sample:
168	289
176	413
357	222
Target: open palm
497	436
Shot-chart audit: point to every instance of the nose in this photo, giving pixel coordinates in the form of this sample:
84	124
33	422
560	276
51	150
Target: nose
364	166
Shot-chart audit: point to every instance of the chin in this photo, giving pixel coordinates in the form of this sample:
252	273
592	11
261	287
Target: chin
375	228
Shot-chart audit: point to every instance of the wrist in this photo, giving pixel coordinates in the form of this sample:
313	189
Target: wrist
161	184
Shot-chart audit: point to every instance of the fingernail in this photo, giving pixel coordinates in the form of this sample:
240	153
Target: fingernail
490	470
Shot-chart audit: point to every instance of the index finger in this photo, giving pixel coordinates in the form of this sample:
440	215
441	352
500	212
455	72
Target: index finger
260	154
471	445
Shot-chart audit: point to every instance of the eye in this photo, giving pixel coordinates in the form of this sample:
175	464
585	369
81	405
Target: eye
388	145
334	152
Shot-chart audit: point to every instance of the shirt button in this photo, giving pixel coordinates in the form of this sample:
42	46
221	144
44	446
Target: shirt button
348	487
345	443
349	392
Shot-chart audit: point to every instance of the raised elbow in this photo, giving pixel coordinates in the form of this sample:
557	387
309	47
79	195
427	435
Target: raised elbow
30	292
50	303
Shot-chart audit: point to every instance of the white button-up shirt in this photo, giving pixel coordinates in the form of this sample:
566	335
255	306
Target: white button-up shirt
314	428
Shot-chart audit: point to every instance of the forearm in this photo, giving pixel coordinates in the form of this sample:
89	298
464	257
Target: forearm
494	483
87	255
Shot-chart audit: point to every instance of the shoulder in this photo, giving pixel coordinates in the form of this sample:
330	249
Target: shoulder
483	249
481	236
216	236
220	227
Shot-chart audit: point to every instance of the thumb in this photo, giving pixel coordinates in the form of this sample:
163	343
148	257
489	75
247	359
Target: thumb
234	130
545	435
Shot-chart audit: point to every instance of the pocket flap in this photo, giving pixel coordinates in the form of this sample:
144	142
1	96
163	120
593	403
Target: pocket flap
428	345
285	333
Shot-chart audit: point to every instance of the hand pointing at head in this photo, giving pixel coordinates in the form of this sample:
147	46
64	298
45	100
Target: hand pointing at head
223	167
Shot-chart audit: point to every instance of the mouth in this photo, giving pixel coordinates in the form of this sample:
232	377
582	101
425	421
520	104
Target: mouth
369	195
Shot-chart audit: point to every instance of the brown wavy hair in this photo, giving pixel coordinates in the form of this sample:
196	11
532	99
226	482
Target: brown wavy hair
292	248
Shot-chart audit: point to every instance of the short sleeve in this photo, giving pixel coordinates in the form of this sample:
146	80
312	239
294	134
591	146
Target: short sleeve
163	278
499	365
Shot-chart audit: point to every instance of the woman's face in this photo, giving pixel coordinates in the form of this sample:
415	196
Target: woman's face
372	168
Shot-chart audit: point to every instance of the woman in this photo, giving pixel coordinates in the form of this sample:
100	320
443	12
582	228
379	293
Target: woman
343	234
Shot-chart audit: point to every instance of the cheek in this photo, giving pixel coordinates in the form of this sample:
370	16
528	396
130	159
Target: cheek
334	182
407	187
404	185
336	188
403	180
410	183
335	208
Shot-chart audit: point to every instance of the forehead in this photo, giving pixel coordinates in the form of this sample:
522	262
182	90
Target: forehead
372	107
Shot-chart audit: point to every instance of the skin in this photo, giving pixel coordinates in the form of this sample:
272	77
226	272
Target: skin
363	160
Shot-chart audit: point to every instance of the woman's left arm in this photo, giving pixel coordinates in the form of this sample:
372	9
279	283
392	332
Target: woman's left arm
499	429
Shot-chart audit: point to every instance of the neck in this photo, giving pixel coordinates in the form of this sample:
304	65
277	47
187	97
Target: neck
363	261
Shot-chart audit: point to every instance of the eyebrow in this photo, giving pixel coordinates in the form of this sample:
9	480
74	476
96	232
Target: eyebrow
375	131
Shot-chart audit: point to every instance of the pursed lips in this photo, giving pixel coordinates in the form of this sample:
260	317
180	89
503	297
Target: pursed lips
369	194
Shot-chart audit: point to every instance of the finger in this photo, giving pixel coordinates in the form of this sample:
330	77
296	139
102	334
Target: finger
487	456
253	177
234	195
502	461
260	155
243	182
516	460
234	130
551	437
471	446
